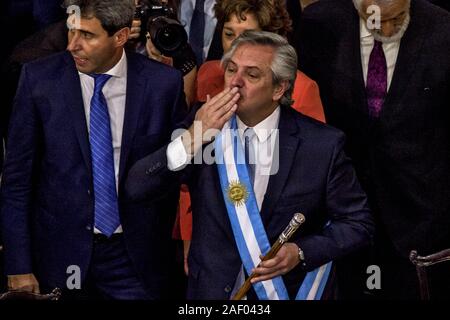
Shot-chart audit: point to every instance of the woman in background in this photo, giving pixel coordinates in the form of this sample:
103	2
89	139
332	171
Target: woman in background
236	16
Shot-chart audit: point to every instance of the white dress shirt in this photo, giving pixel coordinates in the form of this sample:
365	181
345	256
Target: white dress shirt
264	143
114	91
390	52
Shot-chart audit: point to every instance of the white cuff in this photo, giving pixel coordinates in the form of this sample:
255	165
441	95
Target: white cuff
177	157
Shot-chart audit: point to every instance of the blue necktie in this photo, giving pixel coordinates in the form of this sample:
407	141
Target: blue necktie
106	209
197	30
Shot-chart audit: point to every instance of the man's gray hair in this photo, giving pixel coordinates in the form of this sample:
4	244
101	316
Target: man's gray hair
358	3
284	63
113	14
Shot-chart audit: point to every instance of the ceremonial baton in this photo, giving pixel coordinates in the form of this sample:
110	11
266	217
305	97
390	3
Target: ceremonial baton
295	222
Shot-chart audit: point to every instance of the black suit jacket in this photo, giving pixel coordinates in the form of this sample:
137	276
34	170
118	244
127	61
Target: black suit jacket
47	204
314	177
402	159
442	3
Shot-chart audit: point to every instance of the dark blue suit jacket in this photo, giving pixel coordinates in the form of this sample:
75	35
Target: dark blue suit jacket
314	177
47	200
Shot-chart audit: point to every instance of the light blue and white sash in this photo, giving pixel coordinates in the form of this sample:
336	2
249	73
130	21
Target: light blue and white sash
246	223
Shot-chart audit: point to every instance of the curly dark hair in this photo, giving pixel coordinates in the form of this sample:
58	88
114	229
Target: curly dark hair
271	14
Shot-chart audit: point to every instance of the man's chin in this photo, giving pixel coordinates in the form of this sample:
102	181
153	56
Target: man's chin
396	37
83	65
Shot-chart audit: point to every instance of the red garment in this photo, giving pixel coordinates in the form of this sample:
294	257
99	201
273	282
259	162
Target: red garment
210	81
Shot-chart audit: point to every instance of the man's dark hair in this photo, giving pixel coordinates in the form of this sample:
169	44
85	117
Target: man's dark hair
113	14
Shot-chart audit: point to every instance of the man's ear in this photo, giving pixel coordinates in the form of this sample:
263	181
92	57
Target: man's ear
280	90
121	36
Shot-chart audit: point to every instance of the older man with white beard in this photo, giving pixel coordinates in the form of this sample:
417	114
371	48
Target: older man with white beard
383	69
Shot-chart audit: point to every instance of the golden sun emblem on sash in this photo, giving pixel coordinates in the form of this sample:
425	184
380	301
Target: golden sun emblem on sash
237	193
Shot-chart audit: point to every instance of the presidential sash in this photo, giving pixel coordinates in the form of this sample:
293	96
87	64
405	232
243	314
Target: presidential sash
246	223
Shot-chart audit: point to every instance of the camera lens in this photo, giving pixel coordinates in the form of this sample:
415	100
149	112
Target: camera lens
167	35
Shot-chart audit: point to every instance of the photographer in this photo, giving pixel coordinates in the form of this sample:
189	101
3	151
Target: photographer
157	21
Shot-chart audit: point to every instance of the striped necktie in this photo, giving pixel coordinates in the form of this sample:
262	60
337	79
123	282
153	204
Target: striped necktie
106	209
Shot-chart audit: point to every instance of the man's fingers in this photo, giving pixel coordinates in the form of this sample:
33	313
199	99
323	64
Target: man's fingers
222	98
24	282
227	116
36	289
33	288
219	109
271	262
266	276
220	112
219	95
135	29
268	270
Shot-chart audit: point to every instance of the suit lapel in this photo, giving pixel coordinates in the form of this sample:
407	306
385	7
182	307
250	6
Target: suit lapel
410	46
289	142
349	64
134	102
71	89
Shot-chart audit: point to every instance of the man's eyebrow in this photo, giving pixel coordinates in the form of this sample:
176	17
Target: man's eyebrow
81	30
86	31
246	67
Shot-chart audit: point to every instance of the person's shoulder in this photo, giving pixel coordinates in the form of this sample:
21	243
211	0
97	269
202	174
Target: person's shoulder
428	7
209	69
303	79
436	15
210	66
151	67
43	43
328	9
436	23
325	20
49	65
315	131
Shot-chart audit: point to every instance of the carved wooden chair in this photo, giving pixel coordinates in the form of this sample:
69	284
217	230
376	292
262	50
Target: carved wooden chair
23	295
421	263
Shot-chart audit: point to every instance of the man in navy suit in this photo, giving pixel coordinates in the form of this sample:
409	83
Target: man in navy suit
81	119
400	152
299	166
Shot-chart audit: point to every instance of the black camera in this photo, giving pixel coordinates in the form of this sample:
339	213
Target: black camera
166	33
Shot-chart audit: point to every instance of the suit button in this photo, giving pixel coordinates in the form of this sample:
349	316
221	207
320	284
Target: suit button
227	289
89	192
88	228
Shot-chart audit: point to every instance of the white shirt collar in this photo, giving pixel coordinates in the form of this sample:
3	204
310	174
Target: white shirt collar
265	128
363	31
